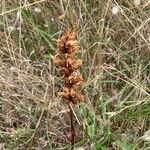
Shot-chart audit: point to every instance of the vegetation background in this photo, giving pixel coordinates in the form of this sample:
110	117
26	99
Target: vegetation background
114	39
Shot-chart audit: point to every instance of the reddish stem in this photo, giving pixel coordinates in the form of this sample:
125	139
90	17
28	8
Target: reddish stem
72	130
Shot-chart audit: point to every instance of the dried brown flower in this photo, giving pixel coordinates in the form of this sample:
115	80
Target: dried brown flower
66	60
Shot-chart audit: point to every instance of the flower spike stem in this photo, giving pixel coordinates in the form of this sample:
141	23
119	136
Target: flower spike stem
69	66
72	129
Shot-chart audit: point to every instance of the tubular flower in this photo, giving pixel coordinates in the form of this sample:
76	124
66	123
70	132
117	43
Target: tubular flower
69	66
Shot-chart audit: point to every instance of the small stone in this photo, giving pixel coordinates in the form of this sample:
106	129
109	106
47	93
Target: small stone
115	10
137	2
38	10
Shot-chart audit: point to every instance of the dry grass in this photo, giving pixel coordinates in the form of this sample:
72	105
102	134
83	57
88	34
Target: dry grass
114	37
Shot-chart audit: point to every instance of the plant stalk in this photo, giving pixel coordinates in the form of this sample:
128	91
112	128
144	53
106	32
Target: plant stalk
72	129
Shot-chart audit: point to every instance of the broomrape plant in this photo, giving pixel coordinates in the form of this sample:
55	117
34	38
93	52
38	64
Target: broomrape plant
69	66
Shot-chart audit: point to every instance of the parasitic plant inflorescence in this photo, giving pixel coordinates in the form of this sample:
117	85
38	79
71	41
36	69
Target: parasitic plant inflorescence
69	66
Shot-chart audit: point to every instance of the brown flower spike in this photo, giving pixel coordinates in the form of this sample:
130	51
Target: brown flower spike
66	60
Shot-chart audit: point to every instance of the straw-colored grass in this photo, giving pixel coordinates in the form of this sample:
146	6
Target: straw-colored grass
114	39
